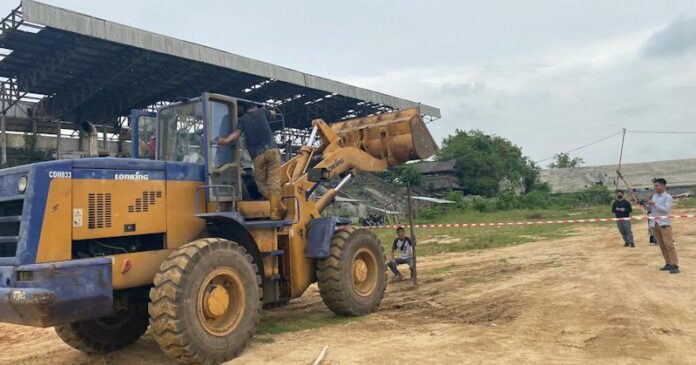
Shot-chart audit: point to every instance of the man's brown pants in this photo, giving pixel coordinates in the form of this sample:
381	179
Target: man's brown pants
664	238
267	173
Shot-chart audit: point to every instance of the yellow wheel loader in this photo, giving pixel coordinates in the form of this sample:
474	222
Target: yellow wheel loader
175	238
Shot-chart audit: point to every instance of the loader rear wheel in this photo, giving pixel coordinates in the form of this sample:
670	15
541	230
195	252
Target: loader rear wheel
352	279
206	302
122	328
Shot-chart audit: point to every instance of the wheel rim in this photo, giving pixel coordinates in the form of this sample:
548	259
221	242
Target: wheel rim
364	272
220	301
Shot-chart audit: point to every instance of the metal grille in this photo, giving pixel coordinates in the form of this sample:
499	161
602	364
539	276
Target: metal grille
143	203
99	211
10	218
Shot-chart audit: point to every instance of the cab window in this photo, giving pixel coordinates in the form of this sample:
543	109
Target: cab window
181	133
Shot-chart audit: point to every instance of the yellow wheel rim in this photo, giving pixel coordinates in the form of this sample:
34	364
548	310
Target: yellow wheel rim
364	272
220	301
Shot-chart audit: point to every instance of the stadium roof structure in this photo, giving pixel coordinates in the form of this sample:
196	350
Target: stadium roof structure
74	67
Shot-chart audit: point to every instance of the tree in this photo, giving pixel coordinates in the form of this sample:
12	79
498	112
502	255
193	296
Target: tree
563	160
484	161
404	175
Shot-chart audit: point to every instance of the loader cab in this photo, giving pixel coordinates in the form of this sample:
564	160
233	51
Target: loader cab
187	132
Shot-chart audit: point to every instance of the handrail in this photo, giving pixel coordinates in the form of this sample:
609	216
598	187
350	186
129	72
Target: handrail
216	189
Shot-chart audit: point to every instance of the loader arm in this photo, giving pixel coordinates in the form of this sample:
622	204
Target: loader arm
369	144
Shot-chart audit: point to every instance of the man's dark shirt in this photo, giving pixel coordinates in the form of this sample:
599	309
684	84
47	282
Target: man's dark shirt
258	136
616	208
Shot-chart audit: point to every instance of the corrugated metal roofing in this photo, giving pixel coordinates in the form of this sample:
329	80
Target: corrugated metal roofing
93	69
433	167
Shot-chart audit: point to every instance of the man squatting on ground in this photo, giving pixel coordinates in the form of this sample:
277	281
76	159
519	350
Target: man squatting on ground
622	209
660	204
405	245
263	151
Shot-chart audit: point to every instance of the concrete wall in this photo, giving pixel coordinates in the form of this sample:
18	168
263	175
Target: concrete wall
68	145
677	173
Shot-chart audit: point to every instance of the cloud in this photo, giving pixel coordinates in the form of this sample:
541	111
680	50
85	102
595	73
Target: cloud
677	38
563	98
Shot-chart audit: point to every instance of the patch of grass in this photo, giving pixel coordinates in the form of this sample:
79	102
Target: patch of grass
687	203
481	238
275	326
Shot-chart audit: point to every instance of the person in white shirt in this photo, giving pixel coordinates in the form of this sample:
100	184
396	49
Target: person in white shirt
660	205
403	244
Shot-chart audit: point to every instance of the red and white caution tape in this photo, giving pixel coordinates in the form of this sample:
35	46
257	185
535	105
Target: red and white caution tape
528	223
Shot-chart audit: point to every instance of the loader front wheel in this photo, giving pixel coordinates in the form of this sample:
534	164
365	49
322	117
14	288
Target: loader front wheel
352	279
122	328
206	302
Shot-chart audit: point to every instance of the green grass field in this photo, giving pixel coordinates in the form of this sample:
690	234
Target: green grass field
443	240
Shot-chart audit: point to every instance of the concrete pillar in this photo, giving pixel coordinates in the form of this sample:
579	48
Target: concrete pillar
104	139
34	134
60	127
3	141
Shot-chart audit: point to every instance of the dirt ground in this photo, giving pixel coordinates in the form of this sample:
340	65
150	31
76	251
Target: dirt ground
575	300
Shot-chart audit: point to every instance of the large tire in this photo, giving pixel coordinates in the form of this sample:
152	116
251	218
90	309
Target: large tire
352	279
122	328
206	302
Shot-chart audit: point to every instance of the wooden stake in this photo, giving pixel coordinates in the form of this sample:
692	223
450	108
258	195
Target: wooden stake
414	274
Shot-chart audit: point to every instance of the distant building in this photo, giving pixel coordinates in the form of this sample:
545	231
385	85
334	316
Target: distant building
679	174
439	176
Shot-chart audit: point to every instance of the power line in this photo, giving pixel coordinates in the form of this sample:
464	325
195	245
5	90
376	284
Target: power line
583	146
663	132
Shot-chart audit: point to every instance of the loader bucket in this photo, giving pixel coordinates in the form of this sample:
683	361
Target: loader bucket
397	137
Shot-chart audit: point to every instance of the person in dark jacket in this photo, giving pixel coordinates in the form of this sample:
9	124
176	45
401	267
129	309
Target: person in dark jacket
622	209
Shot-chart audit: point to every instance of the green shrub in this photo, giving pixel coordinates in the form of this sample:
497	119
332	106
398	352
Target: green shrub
595	195
429	213
507	200
535	199
481	205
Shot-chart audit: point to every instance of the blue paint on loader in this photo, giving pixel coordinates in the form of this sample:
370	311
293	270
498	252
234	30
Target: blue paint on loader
57	293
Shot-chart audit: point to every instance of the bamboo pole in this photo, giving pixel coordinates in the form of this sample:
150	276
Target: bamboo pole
414	274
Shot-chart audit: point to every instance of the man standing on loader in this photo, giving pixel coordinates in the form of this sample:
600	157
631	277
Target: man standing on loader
263	151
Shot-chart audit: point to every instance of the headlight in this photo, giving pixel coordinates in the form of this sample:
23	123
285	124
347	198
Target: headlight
22	184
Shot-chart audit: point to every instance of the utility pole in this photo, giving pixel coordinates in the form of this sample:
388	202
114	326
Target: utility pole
414	274
623	138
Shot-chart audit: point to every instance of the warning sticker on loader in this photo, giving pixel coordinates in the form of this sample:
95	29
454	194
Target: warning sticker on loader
77	217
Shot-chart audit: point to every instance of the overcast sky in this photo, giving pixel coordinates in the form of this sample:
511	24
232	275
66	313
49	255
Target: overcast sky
547	75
